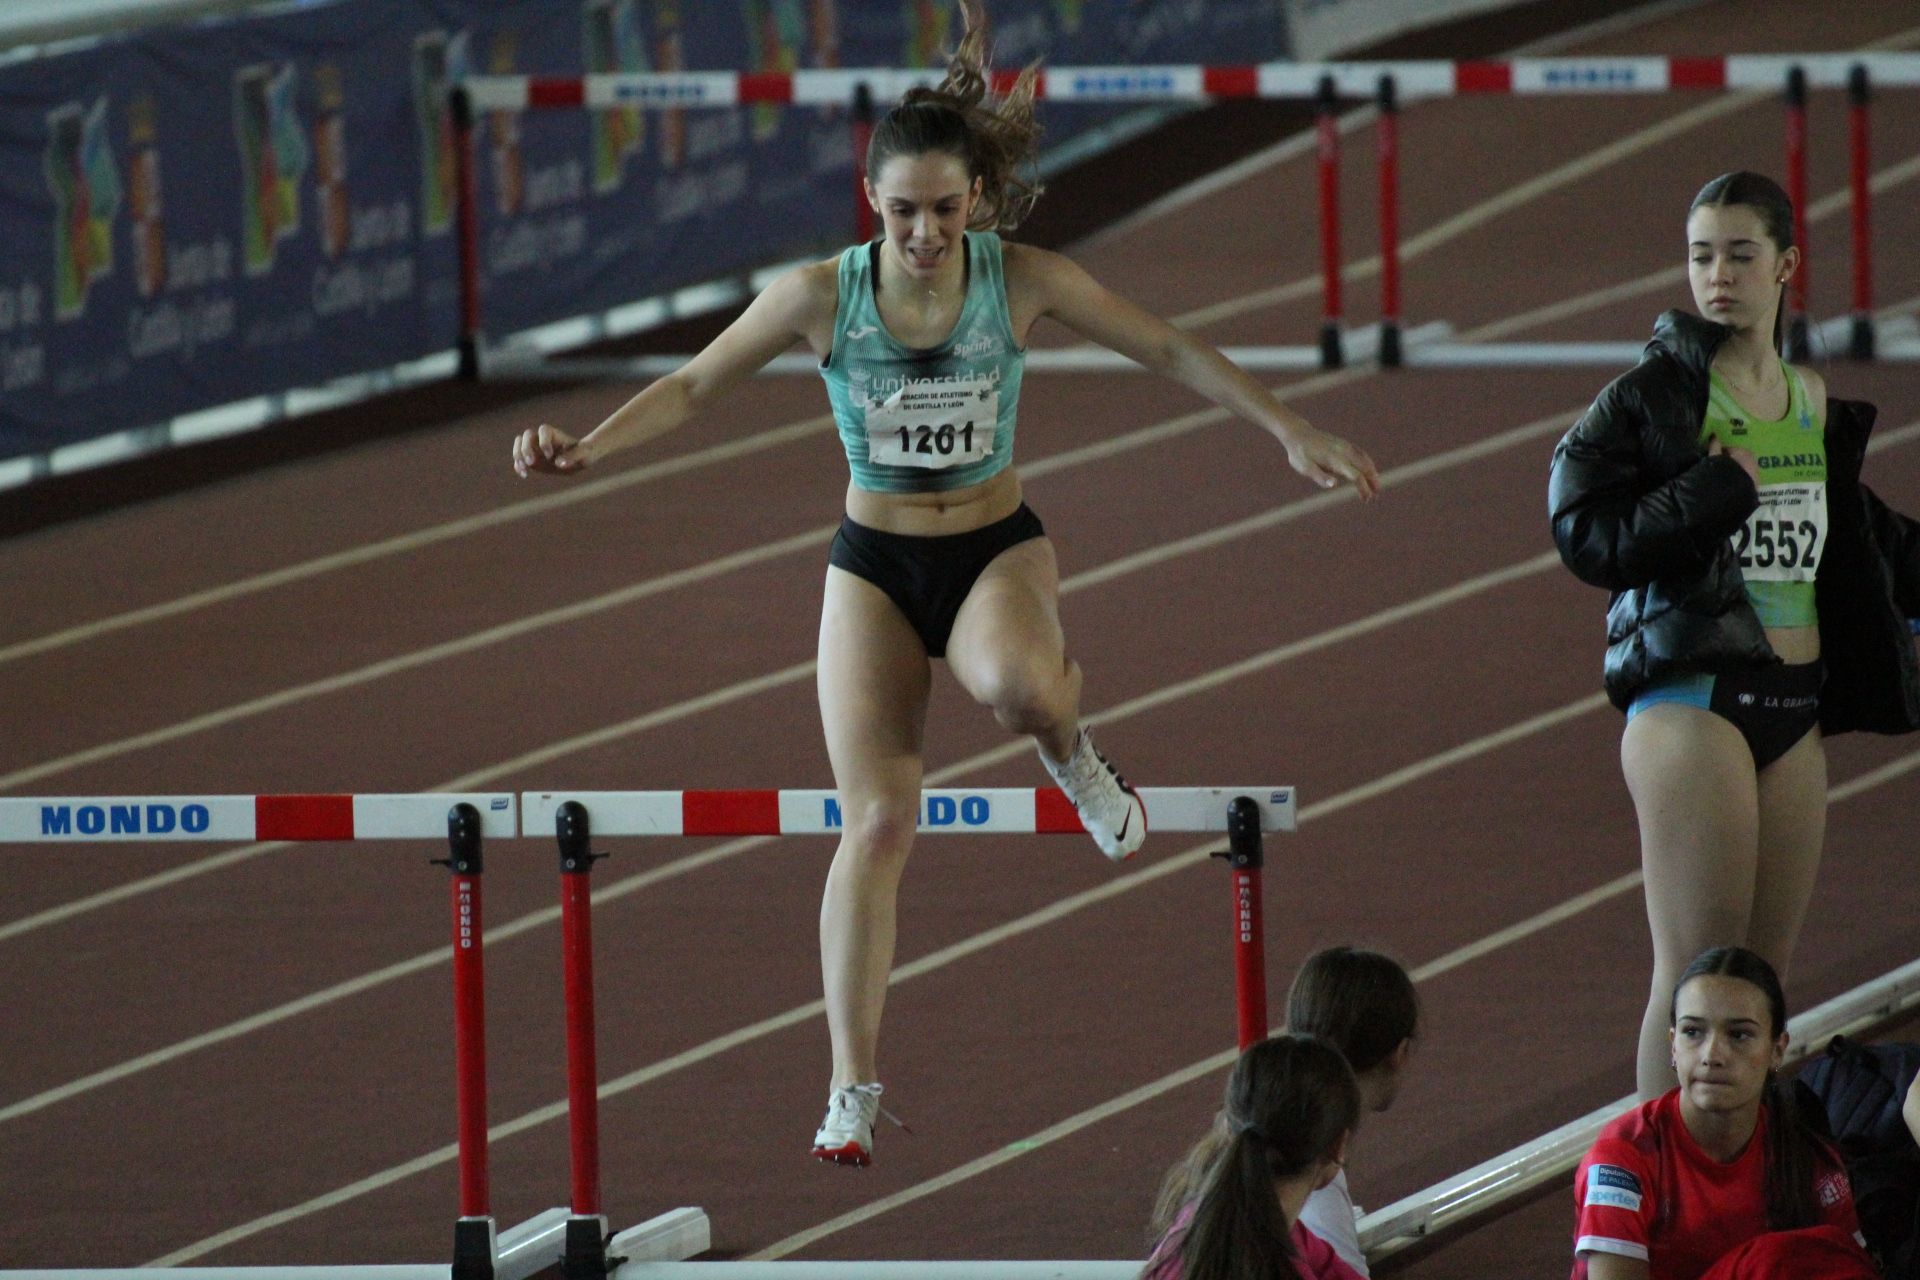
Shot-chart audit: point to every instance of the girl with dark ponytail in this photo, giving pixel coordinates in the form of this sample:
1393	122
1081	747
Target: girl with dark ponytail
922	338
1677	1184
1230	1209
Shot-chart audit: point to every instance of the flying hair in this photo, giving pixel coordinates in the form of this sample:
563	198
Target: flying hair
993	137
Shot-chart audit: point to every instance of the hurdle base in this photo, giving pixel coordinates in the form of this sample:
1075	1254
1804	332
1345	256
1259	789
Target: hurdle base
474	1249
585	1256
674	1236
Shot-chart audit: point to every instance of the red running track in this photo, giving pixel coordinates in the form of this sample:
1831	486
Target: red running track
250	1061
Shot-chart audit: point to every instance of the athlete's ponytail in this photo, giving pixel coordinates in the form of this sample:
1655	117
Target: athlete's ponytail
1290	1101
994	139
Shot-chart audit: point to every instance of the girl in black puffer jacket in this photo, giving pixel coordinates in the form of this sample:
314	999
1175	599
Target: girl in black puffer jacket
1760	596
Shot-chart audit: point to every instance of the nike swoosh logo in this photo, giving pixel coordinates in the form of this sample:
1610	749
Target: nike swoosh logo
1126	824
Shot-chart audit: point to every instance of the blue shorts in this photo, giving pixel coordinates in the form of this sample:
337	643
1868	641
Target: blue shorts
1773	707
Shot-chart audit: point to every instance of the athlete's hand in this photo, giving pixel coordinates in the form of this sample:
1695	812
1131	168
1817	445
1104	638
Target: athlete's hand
549	450
1748	463
1327	460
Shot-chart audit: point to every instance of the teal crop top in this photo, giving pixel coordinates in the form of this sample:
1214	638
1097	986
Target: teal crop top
925	421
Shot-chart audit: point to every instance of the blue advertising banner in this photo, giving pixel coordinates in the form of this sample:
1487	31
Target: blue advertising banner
194	216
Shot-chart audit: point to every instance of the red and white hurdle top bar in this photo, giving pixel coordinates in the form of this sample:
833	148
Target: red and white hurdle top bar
977	811
1412	79
958	811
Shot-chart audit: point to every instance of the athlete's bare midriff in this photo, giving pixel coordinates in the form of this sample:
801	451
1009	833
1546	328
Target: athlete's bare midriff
932	515
1795	645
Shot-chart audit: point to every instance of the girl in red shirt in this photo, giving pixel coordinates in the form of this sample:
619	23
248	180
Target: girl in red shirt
1672	1186
1231	1209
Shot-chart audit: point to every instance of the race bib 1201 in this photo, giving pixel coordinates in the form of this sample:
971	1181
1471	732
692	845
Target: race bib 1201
934	424
1786	535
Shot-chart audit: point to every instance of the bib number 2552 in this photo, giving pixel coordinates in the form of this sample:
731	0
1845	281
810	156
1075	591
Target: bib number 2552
1783	539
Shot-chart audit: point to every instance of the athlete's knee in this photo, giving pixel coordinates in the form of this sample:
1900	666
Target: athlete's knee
878	833
1026	693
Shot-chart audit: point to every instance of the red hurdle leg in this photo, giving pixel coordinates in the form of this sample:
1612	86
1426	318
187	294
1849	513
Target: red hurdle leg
1331	354
586	1254
1798	344
473	1240
1860	164
1246	856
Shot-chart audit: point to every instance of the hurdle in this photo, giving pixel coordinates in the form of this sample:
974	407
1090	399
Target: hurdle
575	818
1388	85
480	1251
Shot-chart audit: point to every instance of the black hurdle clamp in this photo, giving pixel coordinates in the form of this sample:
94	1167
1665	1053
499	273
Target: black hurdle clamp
571	826
463	841
1246	847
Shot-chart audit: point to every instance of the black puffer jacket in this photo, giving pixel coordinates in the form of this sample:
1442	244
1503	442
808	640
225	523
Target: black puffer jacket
1639	508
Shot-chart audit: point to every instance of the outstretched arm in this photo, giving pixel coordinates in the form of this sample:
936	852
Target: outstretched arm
1049	284
799	305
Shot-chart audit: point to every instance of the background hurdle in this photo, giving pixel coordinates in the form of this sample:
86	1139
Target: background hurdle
1389	84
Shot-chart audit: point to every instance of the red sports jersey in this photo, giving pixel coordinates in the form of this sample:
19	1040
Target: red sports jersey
1647	1190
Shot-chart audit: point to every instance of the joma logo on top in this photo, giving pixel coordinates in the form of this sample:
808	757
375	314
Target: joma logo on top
123	819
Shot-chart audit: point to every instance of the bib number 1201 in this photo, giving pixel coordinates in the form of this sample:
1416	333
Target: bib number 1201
941	440
934	425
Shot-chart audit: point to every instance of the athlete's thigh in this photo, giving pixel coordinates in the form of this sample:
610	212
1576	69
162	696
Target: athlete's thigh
1793	828
1012	611
873	681
1694	793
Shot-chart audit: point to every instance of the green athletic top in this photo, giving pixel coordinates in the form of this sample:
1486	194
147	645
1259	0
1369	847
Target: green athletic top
1783	540
924	421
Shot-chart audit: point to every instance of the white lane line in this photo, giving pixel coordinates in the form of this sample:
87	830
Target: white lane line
577	491
804	670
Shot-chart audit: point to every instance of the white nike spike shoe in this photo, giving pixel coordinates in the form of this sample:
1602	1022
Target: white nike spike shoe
1109	809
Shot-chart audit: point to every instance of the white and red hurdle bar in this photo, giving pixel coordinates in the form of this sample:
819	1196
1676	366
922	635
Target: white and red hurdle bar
576	1238
1325	83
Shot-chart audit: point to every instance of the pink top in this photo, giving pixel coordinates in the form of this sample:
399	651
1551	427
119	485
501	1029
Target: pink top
1312	1256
